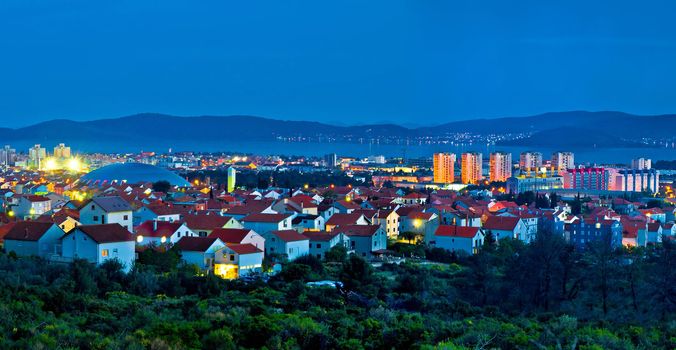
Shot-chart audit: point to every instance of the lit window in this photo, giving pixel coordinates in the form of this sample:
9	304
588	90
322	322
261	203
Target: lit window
104	253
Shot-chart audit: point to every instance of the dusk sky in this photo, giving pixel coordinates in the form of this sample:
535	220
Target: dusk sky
421	62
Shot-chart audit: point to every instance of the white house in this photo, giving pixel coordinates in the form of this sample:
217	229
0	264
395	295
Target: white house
239	236
308	222
238	260
321	242
28	238
287	242
200	251
33	206
506	227
156	212
159	232
365	240
265	223
202	225
107	210
99	243
459	238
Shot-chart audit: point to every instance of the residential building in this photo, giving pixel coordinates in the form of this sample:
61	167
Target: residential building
459	238
265	223
100	243
502	227
365	240
288	243
639	180
61	151
238	260
239	236
500	166
107	210
471	168
443	167
159	232
530	162
31	238
322	242
32	206
562	161
641	164
597	179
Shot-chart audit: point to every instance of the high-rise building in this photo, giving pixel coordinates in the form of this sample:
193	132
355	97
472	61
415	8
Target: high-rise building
471	167
500	167
587	179
530	162
7	156
331	160
232	176
637	180
641	163
443	167
61	151
36	155
562	161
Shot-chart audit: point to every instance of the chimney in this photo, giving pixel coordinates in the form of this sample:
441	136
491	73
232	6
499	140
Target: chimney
155	225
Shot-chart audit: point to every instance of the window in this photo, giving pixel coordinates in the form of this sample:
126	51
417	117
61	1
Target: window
115	251
232	257
96	218
92	207
319	245
104	253
290	250
126	217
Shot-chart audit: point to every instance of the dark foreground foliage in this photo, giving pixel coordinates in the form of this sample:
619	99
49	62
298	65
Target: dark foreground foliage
513	296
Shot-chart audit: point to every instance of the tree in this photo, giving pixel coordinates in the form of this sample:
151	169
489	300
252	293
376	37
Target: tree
161	186
337	253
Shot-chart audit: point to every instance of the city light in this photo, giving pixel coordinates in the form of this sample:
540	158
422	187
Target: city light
50	164
74	164
139	238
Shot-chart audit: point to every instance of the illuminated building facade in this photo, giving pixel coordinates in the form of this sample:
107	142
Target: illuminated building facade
530	162
587	179
534	184
472	167
443	166
562	161
36	155
636	180
641	163
7	156
61	151
500	168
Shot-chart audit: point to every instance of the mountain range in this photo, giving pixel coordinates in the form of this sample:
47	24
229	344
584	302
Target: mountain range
558	129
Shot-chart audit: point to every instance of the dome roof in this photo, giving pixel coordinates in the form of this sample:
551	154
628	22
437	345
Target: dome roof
133	173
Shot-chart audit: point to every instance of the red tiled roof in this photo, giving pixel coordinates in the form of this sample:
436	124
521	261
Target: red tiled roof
502	223
33	198
242	249
420	215
456	231
230	235
269	218
107	233
157	228
195	244
343	219
28	231
358	230
206	222
289	235
321	236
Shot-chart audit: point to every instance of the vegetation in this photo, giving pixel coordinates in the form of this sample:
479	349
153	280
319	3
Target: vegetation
544	295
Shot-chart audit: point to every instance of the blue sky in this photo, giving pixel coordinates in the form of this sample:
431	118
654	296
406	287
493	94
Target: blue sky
421	62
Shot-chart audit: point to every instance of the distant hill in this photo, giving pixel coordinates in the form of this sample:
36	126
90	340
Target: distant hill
577	128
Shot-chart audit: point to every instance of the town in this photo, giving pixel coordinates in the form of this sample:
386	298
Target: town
234	216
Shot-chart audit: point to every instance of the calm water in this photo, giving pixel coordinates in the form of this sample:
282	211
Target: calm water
603	155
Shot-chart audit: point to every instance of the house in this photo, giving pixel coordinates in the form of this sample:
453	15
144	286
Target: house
288	243
467	239
239	236
107	210
506	227
654	233
365	240
156	212
200	251
32	206
160	232
581	233
414	198
308	222
388	219
28	238
238	260
321	242
346	206
265	223
67	219
423	224
203	225
100	243
342	219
